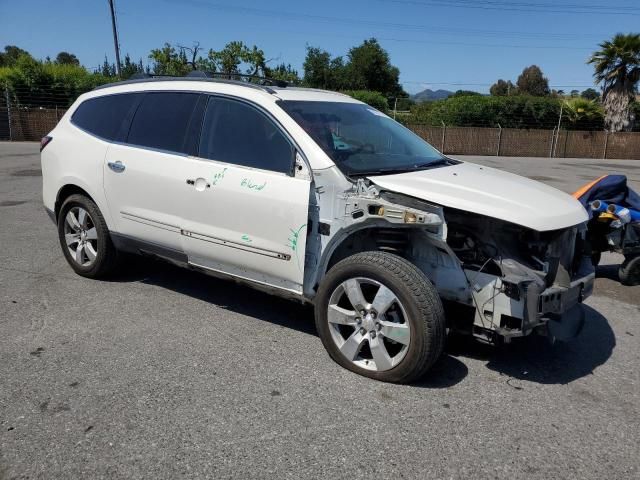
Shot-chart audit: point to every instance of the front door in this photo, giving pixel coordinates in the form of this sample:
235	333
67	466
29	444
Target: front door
245	214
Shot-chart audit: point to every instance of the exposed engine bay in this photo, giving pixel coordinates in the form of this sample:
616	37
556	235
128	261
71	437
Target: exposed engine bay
542	273
497	280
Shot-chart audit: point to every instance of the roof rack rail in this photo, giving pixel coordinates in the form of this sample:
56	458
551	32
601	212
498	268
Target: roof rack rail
140	75
262	83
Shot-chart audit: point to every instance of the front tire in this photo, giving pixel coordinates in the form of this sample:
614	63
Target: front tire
379	316
629	271
84	238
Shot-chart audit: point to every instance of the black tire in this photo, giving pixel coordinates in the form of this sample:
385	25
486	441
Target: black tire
107	258
420	301
629	271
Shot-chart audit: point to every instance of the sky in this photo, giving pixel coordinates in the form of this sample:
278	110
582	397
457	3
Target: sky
448	44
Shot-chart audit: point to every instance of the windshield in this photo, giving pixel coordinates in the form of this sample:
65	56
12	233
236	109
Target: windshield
361	140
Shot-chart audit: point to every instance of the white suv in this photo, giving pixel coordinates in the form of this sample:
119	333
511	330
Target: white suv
315	196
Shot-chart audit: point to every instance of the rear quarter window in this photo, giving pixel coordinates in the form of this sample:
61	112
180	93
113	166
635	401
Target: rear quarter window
105	116
163	121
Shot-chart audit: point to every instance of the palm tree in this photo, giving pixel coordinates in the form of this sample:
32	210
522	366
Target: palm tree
617	67
583	114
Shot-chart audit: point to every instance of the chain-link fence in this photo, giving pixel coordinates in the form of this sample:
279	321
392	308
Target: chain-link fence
20	122
516	142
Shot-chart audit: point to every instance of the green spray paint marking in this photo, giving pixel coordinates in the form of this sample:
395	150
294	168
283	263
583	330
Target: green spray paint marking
293	241
218	177
246	238
247	183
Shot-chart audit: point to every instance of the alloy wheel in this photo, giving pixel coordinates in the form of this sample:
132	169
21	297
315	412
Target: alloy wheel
368	324
81	236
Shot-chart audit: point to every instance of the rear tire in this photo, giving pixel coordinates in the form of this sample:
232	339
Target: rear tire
629	271
85	239
402	332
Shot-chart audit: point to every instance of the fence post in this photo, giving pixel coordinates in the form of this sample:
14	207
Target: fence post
606	144
499	140
553	139
444	135
6	96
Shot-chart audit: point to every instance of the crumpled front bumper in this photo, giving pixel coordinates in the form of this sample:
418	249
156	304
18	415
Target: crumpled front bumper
557	308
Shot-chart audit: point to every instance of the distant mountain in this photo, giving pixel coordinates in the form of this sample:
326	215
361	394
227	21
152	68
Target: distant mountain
428	95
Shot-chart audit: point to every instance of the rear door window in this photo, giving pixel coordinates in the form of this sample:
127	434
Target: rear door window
166	120
107	116
235	132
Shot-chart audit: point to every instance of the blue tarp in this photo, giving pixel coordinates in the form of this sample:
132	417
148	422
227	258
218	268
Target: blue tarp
611	189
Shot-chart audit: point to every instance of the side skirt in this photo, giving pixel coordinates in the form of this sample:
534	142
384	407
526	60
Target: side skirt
129	244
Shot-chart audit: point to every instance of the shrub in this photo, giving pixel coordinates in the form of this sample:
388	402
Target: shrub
374	99
489	111
40	84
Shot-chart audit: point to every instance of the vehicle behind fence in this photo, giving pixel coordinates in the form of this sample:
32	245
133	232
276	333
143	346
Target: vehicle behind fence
20	123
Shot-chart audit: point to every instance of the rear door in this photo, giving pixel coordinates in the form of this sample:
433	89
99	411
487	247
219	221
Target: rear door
143	176
245	212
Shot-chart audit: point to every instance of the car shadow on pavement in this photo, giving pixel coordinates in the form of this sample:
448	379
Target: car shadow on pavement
225	294
536	359
531	358
446	372
244	300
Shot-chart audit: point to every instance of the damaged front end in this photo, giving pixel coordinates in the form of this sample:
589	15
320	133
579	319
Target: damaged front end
521	281
497	280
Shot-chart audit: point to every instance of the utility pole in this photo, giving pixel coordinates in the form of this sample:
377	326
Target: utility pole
115	36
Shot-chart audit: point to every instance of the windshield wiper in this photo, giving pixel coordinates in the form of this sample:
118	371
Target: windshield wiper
435	163
414	168
381	171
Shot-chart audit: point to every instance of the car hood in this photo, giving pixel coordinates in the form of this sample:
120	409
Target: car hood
491	192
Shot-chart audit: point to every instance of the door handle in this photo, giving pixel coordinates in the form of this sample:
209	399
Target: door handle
199	183
117	167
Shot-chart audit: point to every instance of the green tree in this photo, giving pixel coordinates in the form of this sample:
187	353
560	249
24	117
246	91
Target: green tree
374	99
590	94
285	73
583	114
523	111
466	93
169	61
66	58
369	68
532	82
45	84
617	68
107	69
10	56
318	69
230	60
502	88
129	68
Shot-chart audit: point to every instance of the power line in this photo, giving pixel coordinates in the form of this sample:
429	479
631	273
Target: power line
524	7
308	33
442	30
461	84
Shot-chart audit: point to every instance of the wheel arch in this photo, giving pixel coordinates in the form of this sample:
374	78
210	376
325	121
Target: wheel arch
357	235
75	188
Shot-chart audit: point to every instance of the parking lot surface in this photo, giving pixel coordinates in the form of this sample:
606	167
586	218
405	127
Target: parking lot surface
166	373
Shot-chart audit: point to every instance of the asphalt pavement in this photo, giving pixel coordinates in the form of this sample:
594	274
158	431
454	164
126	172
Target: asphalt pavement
167	373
